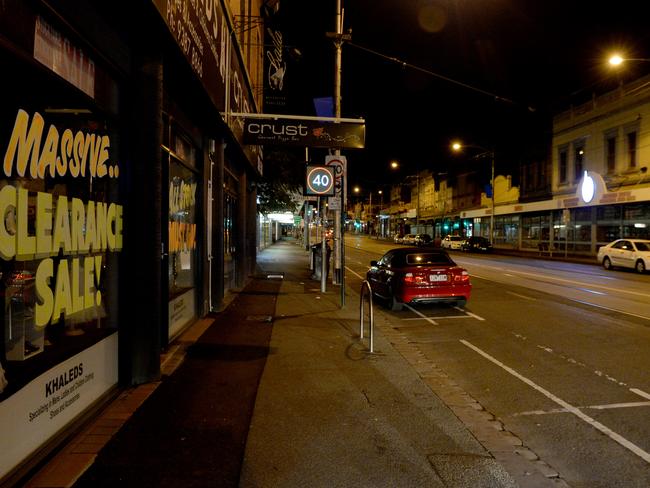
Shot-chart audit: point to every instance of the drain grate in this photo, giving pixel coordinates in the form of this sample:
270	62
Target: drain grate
260	318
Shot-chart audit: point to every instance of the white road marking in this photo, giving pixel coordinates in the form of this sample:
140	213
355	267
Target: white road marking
470	314
520	296
440	318
593	407
610	309
355	274
620	405
641	393
428	319
593	291
573	282
570	408
574	299
474	275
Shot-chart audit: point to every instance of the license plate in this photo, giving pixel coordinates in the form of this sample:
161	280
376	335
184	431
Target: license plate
439	277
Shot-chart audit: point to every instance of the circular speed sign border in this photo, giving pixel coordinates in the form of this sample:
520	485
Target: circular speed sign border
313	172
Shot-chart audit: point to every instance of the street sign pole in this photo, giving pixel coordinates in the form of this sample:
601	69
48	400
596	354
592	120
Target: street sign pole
338	43
341	223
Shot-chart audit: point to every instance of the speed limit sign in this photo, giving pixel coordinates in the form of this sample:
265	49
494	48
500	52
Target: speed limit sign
319	181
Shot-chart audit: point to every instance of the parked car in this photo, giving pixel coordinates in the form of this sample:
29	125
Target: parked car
409	239
476	244
452	242
626	253
423	240
414	275
398	239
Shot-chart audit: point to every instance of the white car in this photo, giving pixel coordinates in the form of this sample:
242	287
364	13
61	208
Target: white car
626	253
452	242
409	239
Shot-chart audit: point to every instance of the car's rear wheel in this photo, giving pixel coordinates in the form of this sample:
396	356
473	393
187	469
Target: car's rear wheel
607	264
461	303
393	303
640	266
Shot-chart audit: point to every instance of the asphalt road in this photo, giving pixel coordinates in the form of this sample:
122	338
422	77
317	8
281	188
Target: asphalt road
558	352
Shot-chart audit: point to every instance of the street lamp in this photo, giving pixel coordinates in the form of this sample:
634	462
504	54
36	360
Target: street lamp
395	165
457	147
617	59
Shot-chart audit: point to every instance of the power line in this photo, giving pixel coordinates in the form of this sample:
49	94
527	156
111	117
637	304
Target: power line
405	64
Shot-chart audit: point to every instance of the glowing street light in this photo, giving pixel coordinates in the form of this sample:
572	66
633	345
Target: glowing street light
458	146
395	165
617	60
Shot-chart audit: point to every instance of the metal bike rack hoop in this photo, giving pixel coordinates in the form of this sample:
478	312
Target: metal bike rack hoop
366	289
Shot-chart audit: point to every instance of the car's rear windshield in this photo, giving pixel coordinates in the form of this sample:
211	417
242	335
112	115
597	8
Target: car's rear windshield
643	246
455	238
425	258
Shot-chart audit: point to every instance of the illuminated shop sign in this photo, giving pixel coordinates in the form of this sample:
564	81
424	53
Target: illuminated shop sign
591	190
587	188
305	133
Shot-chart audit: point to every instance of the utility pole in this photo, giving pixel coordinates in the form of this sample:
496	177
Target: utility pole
492	213
339	249
371	219
417	208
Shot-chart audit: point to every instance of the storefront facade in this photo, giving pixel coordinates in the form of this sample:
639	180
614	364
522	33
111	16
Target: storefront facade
600	182
128	201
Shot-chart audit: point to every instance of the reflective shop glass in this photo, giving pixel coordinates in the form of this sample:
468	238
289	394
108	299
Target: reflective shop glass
61	231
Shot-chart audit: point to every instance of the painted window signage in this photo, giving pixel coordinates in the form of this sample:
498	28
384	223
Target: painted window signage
60	154
182	197
43	226
73	228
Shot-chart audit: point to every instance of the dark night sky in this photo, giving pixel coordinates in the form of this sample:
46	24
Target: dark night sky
541	55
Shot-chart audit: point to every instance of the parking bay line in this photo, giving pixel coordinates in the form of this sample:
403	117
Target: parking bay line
355	274
641	393
422	316
441	318
570	408
520	296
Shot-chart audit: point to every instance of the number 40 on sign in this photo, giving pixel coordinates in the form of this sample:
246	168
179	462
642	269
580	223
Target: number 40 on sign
319	180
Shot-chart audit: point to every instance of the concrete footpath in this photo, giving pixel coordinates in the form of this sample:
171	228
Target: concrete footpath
291	397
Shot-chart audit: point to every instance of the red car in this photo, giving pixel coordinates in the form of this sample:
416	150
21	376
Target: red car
413	275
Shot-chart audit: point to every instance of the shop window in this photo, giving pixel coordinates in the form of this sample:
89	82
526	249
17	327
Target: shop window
182	228
229	241
506	230
636	220
59	282
608	223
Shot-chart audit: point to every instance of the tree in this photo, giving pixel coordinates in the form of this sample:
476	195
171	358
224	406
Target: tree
282	182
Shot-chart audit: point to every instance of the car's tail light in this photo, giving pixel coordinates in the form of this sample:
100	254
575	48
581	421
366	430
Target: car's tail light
462	277
415	278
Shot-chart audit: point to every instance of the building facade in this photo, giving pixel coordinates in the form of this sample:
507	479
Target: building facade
128	198
594	187
599	186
